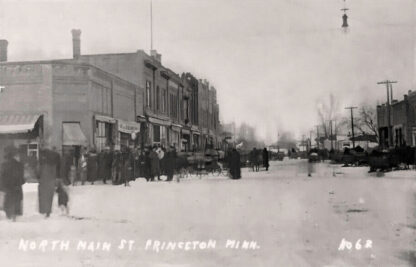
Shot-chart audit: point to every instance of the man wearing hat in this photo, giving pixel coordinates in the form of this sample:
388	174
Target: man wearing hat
49	170
11	183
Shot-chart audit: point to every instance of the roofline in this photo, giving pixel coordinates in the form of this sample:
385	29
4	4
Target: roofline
72	62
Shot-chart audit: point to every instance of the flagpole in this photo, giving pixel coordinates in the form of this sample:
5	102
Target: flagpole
151	24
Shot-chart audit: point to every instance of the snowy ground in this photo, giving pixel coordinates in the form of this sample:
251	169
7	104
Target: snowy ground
295	220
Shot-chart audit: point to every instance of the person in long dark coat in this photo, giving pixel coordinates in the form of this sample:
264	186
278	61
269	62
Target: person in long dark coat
11	183
154	165
92	166
148	165
235	167
254	159
170	163
109	158
49	168
101	166
125	168
266	159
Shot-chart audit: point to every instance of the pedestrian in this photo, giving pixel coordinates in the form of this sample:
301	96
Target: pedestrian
11	181
49	168
115	167
109	158
254	159
142	164
235	166
266	159
63	196
161	154
147	164
68	162
170	163
101	166
154	165
92	166
82	166
72	175
126	168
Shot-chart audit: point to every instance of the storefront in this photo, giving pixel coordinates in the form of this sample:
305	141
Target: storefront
158	131
175	136
73	143
186	139
196	145
129	134
104	132
25	131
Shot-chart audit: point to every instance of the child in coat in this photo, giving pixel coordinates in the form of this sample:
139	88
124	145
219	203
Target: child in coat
63	197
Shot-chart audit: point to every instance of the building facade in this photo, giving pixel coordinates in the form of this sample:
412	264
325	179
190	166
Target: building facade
402	122
104	101
67	105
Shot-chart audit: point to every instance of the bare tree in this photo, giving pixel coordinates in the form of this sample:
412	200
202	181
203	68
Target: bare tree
328	112
366	123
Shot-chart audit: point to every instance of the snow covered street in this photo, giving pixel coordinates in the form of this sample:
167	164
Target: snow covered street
337	217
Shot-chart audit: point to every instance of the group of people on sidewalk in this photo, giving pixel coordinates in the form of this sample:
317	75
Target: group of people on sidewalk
120	166
117	166
12	180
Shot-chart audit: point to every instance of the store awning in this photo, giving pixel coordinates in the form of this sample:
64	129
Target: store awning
14	124
159	121
105	119
73	135
176	127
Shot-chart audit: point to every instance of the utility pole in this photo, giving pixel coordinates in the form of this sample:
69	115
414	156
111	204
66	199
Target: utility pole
352	125
317	136
310	140
330	136
389	85
336	134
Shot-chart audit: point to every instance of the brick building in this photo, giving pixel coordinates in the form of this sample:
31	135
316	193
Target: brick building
67	105
105	100
402	121
177	109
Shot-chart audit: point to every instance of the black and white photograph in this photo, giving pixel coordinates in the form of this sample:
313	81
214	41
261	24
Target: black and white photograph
182	133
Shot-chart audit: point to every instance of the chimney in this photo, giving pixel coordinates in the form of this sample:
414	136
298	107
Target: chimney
154	54
3	50
76	43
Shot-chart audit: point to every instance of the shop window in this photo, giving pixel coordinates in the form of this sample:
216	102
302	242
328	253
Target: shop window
148	93
164	102
103	135
30	150
163	135
157	98
156	133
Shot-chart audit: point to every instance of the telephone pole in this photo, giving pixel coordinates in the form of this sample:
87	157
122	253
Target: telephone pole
317	136
352	124
389	99
330	135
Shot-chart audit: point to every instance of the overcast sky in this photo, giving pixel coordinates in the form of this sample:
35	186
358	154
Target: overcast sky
272	61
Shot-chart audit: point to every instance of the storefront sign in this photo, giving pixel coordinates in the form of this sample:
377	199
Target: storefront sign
128	127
